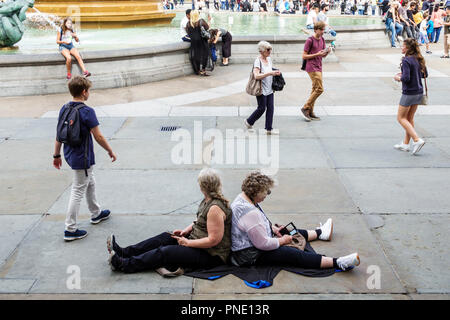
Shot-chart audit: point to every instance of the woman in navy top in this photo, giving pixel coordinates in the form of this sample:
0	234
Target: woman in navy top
413	70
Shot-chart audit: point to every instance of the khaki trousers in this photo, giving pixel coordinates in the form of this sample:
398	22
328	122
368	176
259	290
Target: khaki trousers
446	44
317	89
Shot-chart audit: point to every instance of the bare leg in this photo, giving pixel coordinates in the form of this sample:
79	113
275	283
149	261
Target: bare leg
410	118
68	57
77	56
402	118
326	262
312	235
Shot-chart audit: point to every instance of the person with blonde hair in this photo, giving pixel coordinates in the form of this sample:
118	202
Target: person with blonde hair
255	241
197	30
203	244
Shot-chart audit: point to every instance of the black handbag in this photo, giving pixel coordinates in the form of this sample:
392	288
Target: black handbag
278	82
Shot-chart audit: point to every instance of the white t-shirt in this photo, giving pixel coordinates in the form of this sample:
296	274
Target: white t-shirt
266	83
183	24
423	27
322	17
311	16
255	6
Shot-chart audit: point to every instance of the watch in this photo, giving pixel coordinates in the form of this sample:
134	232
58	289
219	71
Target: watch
56	156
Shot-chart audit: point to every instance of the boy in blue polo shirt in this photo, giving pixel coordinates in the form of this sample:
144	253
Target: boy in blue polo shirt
82	162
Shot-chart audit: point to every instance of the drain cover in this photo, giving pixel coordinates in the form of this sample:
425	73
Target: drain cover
169	128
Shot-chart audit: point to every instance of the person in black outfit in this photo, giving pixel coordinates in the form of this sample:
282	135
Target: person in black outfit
226	42
197	30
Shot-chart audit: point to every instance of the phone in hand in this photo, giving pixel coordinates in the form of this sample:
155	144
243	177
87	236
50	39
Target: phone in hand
289	230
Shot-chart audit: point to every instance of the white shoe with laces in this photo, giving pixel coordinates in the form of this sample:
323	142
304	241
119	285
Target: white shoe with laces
417	146
402	147
247	125
348	262
327	230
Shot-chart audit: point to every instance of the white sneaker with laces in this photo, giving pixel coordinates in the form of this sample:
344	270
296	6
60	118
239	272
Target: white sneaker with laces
248	125
327	230
417	146
402	147
348	262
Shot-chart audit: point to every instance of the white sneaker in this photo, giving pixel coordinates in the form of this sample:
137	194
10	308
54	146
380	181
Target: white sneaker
400	38
327	230
402	147
273	132
417	146
247	125
348	262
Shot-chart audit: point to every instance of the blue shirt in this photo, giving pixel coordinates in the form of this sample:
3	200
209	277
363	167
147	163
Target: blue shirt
75	156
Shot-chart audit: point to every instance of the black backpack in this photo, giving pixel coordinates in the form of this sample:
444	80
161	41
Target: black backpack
68	130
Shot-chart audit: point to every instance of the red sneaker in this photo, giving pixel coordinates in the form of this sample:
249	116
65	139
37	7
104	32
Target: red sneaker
69	76
86	73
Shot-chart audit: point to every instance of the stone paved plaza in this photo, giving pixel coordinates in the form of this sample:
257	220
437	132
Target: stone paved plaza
391	207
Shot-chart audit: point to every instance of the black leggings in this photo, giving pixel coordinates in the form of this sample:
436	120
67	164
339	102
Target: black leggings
288	256
164	251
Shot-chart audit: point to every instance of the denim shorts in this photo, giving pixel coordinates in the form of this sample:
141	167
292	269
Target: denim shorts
66	46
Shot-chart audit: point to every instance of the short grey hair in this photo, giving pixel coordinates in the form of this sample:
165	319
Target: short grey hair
263	46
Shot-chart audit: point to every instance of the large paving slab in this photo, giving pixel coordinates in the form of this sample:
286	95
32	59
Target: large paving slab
358	127
9	126
31	191
350	235
303	296
379	153
436	126
259	151
13	228
288	126
46	257
33	154
45	128
399	190
417	246
140	191
149	127
297	191
442	144
153	154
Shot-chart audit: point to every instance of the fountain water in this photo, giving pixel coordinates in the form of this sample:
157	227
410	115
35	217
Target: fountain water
38	17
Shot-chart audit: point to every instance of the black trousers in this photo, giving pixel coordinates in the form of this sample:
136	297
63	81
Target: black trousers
164	251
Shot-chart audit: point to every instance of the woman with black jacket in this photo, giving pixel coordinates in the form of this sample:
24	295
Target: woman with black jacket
197	30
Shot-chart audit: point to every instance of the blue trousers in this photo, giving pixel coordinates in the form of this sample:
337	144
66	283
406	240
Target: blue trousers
396	29
435	35
265	104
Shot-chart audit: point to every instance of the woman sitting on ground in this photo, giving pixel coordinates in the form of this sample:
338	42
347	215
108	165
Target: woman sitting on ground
226	43
203	244
255	241
65	40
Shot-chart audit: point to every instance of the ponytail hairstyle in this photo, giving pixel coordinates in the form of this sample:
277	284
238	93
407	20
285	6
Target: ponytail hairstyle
209	182
412	49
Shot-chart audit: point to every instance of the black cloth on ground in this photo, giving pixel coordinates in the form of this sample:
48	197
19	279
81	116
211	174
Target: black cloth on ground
258	276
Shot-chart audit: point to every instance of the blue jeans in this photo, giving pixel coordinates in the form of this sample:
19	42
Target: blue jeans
435	34
265	104
396	29
164	251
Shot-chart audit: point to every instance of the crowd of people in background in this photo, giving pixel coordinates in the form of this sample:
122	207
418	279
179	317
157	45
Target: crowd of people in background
422	21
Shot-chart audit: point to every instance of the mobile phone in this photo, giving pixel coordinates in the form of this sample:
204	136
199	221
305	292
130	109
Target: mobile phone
289	229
